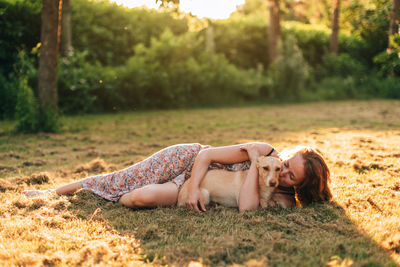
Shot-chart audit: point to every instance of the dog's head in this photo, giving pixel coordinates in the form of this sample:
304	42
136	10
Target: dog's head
268	171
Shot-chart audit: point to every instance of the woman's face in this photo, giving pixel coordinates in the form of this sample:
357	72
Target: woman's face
292	172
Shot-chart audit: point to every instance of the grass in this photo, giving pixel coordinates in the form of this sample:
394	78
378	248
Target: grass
360	141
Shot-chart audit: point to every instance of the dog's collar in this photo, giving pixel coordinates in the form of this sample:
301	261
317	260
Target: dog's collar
270	153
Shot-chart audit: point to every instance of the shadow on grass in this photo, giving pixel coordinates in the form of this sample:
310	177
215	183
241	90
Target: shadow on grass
311	236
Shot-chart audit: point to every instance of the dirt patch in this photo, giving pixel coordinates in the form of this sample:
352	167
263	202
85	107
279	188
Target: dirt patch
393	243
10	155
97	165
6	185
39	153
395	187
38	162
93	153
361	167
36	178
7	168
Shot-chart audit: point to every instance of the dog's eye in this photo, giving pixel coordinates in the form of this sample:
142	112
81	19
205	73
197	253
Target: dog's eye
278	169
266	168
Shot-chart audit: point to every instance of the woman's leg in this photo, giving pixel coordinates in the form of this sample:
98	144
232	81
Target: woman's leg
152	195
69	188
63	190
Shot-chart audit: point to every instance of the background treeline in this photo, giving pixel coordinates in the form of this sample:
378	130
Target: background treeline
126	59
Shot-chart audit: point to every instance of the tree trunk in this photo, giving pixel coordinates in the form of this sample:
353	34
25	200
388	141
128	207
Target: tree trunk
274	30
394	21
49	37
334	46
66	38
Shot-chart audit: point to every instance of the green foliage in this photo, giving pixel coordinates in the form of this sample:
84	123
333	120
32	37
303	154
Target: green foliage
175	71
8	95
27	108
109	32
313	40
49	120
243	40
139	58
84	87
388	62
370	23
342	65
30	117
340	77
20	29
343	77
289	71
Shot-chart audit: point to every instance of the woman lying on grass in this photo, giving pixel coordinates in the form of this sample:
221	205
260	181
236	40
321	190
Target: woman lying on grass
155	181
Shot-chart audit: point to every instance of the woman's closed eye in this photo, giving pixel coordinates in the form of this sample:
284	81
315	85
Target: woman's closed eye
291	176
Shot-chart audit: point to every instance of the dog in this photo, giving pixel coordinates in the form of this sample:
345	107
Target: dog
223	186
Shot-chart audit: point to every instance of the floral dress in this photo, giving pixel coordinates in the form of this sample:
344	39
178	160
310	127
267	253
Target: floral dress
171	164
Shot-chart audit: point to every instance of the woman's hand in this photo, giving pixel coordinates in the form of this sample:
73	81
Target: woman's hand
194	200
252	150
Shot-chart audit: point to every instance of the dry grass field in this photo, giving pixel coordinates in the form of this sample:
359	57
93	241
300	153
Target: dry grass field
361	227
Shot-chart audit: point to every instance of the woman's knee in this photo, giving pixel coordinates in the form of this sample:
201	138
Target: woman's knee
138	198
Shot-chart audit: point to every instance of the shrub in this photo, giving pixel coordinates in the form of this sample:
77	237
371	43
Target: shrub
342	65
109	32
388	62
243	40
8	95
20	29
175	71
85	87
289	72
27	109
313	40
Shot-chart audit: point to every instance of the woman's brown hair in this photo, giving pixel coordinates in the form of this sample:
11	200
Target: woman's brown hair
314	187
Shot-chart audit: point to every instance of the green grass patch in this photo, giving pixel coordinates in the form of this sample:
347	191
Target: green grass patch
360	141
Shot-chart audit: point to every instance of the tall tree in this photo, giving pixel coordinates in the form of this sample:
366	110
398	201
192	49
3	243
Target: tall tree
274	30
334	45
50	38
394	21
66	45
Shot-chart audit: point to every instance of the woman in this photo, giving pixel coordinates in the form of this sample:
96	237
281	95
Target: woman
155	181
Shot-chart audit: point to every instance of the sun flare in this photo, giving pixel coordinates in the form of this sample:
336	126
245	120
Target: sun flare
215	9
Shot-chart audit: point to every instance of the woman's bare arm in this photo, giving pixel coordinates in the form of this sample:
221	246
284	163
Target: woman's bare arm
249	197
224	155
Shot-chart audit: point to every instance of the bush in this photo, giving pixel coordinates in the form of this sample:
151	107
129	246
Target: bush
343	77
109	32
20	29
27	109
243	40
175	71
342	65
84	87
8	96
388	62
313	40
370	23
289	72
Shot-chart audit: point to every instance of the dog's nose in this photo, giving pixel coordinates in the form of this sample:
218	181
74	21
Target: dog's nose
272	183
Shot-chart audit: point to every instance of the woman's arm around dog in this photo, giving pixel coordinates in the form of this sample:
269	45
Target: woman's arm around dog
225	155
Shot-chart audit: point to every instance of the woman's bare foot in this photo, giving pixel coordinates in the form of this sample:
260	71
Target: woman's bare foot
34	193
